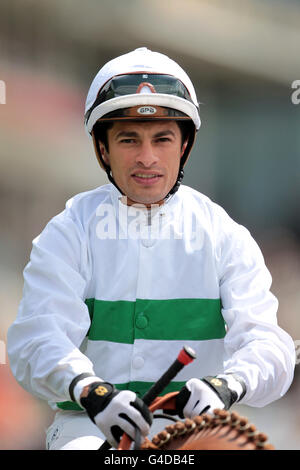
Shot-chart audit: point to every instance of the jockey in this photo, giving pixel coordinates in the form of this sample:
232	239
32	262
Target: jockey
134	269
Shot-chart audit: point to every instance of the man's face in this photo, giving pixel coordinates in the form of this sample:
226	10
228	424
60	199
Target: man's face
144	158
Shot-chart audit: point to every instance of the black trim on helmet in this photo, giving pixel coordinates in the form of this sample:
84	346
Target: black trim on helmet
129	84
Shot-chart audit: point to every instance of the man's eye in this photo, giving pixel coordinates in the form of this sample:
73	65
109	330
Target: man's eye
127	141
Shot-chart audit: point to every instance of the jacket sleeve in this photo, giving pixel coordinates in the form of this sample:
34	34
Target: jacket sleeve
257	349
53	319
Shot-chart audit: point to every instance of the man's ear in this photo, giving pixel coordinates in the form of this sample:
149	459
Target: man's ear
183	148
104	153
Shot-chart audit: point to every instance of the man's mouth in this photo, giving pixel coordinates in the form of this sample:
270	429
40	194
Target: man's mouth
142	175
146	178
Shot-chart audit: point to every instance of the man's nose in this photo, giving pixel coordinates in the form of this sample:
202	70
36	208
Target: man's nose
146	155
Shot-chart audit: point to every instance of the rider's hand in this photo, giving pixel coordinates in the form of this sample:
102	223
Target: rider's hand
207	394
115	412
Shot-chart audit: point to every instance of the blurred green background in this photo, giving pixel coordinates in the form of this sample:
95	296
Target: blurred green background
242	55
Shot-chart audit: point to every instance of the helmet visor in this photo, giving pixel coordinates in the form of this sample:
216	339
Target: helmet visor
131	84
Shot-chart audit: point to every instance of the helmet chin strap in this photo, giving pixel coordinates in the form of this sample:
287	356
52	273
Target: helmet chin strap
178	181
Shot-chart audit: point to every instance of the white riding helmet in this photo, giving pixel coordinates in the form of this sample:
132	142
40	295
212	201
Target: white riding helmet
140	61
141	85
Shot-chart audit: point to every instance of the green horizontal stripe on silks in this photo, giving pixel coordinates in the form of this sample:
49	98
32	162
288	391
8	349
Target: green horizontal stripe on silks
140	388
176	319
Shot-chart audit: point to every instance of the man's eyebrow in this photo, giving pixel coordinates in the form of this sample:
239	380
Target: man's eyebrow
126	134
165	132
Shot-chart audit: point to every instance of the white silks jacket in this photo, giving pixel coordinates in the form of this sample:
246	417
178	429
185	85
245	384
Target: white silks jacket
117	291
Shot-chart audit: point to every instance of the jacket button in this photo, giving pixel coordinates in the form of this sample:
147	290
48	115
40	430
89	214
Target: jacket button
141	321
138	362
148	242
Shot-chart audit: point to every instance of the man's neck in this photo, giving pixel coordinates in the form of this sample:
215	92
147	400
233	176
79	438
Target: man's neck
149	206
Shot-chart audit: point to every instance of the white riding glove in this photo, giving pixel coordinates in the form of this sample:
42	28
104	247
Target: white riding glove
205	395
115	412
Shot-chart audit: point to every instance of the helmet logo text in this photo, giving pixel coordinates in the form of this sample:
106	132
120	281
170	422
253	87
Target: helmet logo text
147	110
